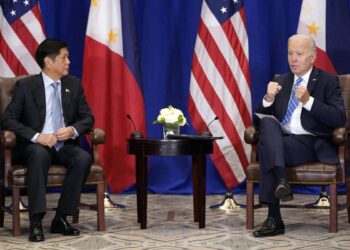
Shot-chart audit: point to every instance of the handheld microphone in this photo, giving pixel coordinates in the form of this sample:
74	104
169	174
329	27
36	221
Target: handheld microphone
136	134
207	133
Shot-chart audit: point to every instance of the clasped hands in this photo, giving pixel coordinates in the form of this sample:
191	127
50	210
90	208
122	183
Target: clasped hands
50	140
273	88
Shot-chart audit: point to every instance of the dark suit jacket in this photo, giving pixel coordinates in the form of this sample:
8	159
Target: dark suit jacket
326	114
25	115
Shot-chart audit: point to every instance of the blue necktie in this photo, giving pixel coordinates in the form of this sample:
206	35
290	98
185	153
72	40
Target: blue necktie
57	121
293	103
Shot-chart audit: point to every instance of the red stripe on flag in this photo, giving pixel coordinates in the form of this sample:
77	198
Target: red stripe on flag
218	108
25	36
12	61
36	12
225	72
112	93
243	17
323	62
237	49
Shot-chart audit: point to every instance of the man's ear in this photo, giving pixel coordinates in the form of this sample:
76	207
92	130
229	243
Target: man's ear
47	62
313	57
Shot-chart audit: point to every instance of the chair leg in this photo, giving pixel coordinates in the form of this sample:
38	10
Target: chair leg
75	218
2	204
250	206
16	212
333	214
347	186
100	207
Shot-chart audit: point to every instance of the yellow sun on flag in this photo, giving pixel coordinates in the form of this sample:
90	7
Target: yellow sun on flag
313	28
112	36
94	2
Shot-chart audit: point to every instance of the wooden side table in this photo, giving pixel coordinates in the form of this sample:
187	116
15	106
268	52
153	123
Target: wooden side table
198	149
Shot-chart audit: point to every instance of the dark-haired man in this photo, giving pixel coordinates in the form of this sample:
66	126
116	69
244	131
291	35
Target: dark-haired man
47	113
308	105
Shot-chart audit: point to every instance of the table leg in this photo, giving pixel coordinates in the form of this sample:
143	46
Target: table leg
195	188
141	186
199	163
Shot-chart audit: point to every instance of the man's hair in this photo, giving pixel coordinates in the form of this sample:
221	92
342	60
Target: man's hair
50	48
308	38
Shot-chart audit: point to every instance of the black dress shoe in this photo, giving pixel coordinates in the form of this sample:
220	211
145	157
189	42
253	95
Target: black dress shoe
61	226
36	232
284	191
269	228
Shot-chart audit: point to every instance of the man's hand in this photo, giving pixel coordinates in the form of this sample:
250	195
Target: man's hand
302	94
47	140
273	88
63	134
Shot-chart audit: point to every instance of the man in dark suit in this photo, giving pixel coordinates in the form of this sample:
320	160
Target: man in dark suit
47	113
308	106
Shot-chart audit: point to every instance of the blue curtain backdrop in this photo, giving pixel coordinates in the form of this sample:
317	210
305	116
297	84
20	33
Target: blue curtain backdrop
166	33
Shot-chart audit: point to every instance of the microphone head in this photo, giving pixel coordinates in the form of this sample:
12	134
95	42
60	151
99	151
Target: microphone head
206	134
136	135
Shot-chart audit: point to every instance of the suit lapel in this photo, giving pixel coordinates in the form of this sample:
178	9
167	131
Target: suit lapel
288	85
39	96
65	97
312	80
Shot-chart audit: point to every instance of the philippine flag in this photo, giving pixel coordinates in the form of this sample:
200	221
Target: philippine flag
111	80
328	22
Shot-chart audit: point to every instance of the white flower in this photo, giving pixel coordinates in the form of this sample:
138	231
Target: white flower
171	115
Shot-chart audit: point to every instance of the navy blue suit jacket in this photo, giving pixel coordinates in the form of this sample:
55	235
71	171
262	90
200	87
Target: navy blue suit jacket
326	114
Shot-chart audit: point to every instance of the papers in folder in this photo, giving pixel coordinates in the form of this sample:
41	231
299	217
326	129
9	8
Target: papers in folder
194	137
272	117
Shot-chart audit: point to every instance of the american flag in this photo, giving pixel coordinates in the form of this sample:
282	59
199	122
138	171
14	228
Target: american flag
21	31
220	85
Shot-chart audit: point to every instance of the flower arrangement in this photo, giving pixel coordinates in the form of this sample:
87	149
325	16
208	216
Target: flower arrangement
171	116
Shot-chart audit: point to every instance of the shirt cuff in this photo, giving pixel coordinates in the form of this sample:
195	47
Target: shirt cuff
76	134
35	137
309	103
266	103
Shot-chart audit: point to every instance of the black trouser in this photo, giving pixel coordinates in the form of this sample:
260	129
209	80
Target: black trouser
38	158
277	149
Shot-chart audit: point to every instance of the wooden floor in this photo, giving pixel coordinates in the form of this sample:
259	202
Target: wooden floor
171	226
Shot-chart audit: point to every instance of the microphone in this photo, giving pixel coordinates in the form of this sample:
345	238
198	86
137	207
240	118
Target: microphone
136	134
207	133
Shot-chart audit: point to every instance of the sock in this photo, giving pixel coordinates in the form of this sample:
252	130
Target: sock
36	218
279	173
274	211
59	216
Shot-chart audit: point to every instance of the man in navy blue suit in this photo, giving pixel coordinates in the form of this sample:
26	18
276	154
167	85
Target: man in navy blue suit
47	113
308	106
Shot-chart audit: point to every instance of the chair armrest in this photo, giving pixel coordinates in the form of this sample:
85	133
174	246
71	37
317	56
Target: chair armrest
251	135
8	139
97	136
339	136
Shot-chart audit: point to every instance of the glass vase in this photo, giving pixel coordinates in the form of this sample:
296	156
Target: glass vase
170	129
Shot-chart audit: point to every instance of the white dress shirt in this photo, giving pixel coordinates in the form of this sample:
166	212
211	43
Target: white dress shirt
49	91
294	126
